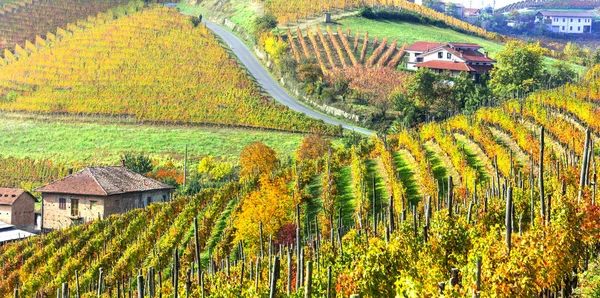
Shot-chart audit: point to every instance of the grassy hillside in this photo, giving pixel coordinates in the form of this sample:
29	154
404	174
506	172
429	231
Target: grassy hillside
410	32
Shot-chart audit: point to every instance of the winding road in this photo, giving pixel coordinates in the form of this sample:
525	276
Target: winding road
269	84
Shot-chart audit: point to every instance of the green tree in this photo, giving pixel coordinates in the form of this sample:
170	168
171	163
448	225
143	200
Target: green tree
139	163
264	24
559	74
519	69
420	89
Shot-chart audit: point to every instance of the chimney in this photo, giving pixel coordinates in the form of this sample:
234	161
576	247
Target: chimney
70	171
485	54
123	162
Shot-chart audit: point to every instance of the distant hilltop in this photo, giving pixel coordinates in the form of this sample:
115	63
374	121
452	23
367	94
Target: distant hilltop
550	4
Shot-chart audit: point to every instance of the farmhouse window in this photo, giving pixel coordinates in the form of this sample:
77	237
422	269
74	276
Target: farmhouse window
563	19
93	204
148	200
578	28
571	28
449	55
74	207
563	28
62	203
579	20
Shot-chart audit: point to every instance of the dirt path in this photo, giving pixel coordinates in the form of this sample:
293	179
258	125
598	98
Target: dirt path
576	124
486	167
446	162
502	138
556	146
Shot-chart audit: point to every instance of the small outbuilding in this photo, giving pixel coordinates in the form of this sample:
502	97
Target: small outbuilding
17	208
97	192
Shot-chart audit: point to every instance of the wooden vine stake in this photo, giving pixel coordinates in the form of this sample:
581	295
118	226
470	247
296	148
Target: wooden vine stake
508	217
541	174
274	278
584	165
197	249
308	280
140	286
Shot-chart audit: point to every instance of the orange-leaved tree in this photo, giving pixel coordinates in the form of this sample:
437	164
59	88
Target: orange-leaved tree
256	159
313	146
269	205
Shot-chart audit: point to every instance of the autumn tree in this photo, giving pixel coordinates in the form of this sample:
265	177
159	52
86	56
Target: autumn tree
269	205
518	69
256	159
313	146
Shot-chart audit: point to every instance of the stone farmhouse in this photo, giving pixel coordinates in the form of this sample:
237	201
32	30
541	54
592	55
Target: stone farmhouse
452	57
97	192
17	208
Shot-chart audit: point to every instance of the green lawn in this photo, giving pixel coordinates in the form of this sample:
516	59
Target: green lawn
95	143
239	12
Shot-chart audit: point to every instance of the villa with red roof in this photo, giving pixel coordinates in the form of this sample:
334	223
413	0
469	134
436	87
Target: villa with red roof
452	57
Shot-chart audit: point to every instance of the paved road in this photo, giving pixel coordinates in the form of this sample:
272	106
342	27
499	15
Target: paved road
268	83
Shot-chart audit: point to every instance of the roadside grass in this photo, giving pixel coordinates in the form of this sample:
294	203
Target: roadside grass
239	12
101	143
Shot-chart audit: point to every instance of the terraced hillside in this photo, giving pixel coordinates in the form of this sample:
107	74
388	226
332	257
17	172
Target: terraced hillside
508	189
153	65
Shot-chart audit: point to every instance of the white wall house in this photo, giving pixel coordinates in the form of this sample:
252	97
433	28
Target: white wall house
566	21
451	57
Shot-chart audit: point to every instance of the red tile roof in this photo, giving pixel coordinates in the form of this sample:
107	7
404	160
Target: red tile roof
103	181
464	44
445	65
9	195
422	46
474	56
567	14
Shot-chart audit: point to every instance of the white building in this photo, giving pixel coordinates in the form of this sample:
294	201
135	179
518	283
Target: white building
566	21
452	57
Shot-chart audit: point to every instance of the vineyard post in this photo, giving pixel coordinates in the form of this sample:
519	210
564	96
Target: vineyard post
188	282
274	278
65	290
201	284
541	174
508	217
16	293
176	272
140	286
415	223
469	212
197	248
151	282
391	212
329	281
257	273
478	277
260	239
585	157
308	286
549	212
100	283
289	272
77	282
450	195
242	275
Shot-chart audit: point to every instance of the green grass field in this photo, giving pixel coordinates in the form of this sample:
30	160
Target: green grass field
97	143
